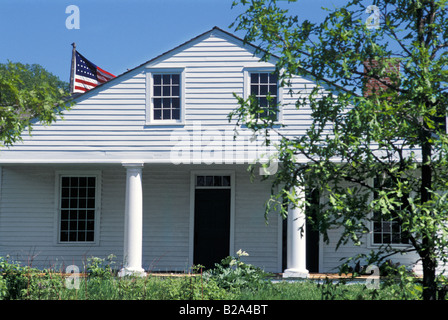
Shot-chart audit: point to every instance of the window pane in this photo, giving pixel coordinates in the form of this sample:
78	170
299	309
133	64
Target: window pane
65	192
73	182
217	181
157	103
82	203
82	225
90	236
166	79
65	203
175	114
81	236
166	114
91	203
73	203
175	103
254	78
64	214
83	182
200	181
226	181
254	90
175	79
90	225
157	91
73	192
82	192
377	238
157	114
157	79
82	215
175	91
166	91
263	78
90	214
263	102
91	182
91	192
64	225
264	90
65	182
64	236
209	180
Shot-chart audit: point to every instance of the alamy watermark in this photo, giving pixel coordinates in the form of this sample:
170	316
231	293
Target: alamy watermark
373	21
73	20
214	146
373	280
72	281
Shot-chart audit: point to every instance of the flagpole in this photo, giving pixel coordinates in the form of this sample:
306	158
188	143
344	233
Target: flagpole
72	70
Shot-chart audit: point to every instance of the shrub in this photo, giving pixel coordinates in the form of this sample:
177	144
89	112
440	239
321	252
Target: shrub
234	275
15	279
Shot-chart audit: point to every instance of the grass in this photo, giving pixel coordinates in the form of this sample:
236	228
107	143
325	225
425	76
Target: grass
54	287
230	280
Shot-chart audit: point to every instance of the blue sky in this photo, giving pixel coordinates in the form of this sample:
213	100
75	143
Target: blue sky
114	34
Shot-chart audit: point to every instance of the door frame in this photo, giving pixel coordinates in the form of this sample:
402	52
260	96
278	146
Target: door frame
193	175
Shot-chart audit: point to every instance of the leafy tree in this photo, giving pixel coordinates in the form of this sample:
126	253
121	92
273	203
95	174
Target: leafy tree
376	148
28	93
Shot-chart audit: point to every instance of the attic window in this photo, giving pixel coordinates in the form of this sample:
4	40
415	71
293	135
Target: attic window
166	97
263	86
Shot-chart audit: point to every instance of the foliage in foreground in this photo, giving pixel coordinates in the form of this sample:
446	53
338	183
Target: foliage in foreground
232	279
28	92
375	144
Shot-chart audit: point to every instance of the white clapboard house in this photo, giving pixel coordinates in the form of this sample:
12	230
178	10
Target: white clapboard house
145	167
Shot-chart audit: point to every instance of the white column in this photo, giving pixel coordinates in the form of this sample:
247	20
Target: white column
133	224
296	246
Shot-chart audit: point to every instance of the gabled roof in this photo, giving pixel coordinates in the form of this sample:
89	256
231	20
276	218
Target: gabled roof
77	95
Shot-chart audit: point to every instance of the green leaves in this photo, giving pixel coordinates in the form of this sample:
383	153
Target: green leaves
28	93
378	111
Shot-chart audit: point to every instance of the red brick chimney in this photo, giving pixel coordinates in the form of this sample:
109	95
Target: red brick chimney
374	86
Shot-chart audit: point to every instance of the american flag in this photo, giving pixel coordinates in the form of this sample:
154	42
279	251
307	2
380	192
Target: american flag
87	75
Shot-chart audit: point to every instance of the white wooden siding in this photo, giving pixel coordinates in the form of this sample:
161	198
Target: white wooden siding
28	218
108	125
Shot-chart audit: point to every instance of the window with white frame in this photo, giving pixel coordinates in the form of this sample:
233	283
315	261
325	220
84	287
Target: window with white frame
165	96
386	231
263	86
78	196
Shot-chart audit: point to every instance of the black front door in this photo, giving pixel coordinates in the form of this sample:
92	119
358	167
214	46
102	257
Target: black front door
211	226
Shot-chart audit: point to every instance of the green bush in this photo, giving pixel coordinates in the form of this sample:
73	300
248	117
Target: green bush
234	275
15	279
